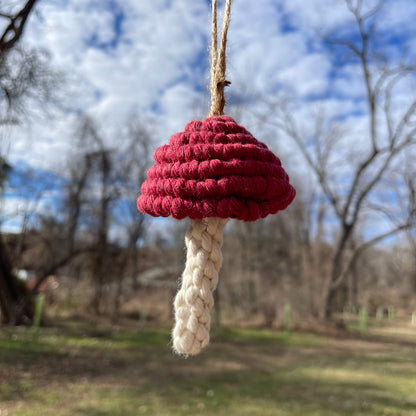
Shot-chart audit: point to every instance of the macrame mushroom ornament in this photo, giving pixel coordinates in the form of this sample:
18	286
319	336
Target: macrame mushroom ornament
213	170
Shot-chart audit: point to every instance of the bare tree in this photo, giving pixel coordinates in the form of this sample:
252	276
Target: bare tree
103	183
26	76
9	290
134	160
55	241
391	133
273	262
99	193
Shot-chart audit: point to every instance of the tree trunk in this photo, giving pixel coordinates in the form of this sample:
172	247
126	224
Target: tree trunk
353	287
131	265
10	293
336	300
98	279
7	295
117	299
337	295
217	308
99	268
413	278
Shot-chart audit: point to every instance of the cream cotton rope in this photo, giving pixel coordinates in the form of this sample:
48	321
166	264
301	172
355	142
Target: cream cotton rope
194	301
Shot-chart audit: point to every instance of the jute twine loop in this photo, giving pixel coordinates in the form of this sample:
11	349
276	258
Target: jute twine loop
194	301
218	61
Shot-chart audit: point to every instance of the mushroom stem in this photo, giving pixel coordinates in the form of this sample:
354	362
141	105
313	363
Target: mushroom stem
194	301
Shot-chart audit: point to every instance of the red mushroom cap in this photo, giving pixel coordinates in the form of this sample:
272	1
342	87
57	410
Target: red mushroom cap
215	168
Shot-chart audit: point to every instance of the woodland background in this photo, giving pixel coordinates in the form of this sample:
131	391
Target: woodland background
315	312
348	240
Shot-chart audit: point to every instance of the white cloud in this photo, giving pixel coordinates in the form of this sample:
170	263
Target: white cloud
140	65
308	77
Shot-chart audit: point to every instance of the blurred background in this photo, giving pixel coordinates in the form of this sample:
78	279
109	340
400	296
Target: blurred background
315	311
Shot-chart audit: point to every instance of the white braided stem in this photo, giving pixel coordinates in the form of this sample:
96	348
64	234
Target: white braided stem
194	301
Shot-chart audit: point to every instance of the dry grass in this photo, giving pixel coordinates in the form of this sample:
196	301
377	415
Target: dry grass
78	369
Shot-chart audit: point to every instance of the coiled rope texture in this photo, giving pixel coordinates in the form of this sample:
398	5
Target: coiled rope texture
215	168
194	301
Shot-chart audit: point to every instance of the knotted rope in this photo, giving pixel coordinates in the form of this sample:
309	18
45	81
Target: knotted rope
194	301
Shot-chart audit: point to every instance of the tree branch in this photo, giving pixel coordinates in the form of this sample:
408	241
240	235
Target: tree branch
288	126
14	30
364	246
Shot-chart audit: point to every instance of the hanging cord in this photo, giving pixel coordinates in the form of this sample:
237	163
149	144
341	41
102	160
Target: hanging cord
218	61
194	301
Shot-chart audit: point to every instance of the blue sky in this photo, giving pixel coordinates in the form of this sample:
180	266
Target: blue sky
152	57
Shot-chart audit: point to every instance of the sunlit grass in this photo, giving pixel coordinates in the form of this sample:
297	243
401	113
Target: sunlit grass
246	335
85	371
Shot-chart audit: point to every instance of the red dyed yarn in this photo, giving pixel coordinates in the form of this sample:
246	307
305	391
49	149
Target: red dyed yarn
215	168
